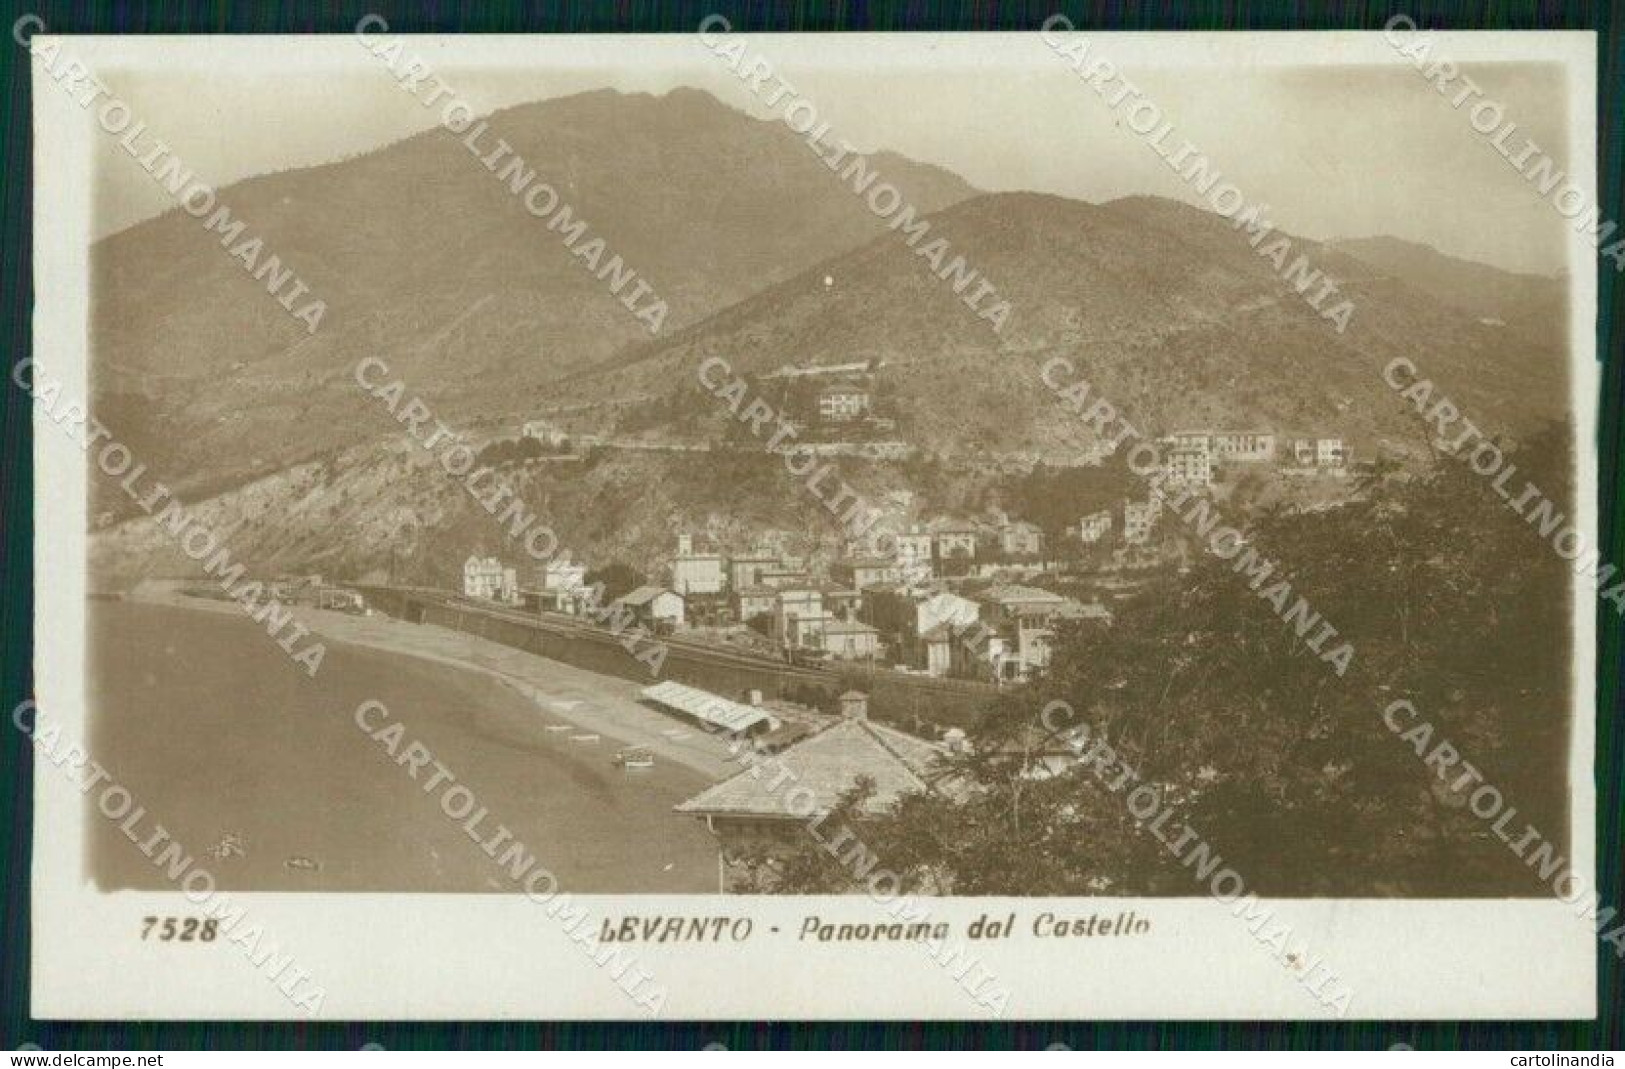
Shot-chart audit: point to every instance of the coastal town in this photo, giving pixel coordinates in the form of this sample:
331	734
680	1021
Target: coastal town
865	527
828	546
864	664
842	659
973	597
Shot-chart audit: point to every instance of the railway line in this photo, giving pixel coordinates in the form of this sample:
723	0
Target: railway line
783	672
561	624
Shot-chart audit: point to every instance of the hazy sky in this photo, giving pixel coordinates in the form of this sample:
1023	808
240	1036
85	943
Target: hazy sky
1334	151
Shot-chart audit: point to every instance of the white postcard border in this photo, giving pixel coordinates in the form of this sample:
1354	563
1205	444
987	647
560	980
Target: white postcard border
500	957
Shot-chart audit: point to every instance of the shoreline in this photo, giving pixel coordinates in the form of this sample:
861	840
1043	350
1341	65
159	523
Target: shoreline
562	694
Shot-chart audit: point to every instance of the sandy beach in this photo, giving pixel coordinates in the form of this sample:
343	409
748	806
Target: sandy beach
226	741
562	693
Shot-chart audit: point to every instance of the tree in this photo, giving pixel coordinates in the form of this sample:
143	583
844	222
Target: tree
1450	600
1055	498
618	580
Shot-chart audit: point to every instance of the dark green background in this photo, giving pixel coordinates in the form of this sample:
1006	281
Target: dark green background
16	531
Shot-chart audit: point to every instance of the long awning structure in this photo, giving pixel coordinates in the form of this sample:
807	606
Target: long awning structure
711	708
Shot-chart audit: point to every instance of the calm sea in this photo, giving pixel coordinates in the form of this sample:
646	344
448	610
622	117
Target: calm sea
227	743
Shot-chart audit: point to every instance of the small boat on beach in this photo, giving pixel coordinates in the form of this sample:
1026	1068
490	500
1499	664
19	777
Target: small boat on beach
634	757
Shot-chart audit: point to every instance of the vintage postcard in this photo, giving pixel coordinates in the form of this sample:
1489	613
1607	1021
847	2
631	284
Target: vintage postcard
1042	525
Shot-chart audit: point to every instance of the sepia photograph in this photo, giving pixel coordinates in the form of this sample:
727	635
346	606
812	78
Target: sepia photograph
914	499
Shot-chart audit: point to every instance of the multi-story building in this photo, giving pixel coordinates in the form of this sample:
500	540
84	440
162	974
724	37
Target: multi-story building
915	544
793	604
1329	453
805	632
955	542
694	572
851	640
860	573
1095	526
1188	440
561	586
842	402
1242	447
1138	520
918	620
746	571
1021	539
754	604
562	575
1236	447
784	577
1188	467
1035	637
485	577
914	552
1034	643
1319	452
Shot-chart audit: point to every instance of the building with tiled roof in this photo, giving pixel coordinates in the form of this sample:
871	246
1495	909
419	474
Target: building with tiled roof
1021	539
1073	609
954	539
772	801
1010	600
653	605
752	602
696	571
861	572
827	764
851	639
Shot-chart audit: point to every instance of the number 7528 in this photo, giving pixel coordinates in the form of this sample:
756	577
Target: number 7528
180	929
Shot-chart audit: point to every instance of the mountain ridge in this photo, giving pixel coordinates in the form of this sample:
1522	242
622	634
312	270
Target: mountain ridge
1135	301
1166	309
1533	305
418	254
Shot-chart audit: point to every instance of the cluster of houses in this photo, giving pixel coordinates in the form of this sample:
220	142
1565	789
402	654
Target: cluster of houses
948	597
944	603
284	590
489	579
926	607
1191	457
1130	524
843	406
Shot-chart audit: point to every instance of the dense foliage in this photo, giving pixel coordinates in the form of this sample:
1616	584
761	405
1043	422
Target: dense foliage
1285	767
617	579
1056	498
511	450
